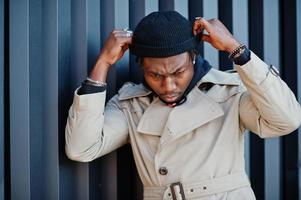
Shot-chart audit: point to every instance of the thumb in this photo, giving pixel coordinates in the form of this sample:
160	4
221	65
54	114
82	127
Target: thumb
206	38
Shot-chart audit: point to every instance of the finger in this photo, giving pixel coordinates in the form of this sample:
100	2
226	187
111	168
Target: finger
201	24
206	38
122	29
197	27
117	30
124	40
125	47
123	34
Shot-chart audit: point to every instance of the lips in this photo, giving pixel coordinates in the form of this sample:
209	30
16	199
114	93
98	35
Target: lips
170	98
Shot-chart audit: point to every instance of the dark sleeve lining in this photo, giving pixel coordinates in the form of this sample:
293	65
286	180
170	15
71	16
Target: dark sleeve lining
243	58
90	89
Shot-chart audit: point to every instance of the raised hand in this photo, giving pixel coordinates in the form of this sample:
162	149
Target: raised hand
113	50
218	35
115	46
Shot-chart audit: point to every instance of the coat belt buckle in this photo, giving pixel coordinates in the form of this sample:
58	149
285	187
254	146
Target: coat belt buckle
173	192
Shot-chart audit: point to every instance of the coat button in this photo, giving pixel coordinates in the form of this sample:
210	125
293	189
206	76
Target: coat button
163	170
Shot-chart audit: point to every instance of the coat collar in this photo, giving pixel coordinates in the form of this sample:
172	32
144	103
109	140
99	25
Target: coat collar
130	90
154	118
220	78
170	123
200	108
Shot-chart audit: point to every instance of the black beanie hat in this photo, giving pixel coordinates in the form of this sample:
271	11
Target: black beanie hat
163	34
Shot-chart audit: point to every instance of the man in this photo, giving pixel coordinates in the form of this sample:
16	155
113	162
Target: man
185	123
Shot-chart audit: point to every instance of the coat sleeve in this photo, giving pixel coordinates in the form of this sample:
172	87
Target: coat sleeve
93	129
268	107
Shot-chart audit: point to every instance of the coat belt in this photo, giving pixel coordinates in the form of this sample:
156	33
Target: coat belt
176	191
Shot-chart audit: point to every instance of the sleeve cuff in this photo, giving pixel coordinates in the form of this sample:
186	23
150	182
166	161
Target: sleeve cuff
90	89
243	58
257	74
92	102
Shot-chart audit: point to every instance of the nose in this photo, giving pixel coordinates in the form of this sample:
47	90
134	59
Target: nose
169	85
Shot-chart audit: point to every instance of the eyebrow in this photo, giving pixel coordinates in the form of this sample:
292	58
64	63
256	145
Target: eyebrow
177	70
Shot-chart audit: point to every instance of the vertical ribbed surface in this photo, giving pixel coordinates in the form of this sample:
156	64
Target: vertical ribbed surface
48	47
2	178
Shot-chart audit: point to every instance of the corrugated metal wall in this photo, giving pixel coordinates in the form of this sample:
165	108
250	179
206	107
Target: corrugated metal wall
47	47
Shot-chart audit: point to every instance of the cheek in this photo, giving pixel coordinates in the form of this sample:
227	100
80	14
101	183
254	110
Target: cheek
185	79
154	84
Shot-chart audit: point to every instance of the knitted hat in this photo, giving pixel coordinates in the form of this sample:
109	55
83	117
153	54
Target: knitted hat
163	34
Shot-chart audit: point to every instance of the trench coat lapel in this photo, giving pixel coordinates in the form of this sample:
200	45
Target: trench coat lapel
154	118
198	110
171	123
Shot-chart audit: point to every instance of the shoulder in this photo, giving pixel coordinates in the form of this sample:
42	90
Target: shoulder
223	84
131	90
229	77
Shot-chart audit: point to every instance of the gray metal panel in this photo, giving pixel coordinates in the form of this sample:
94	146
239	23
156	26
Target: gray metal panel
151	6
2	99
272	147
79	63
78	41
50	93
137	12
19	99
93	31
166	5
182	7
68	172
210	10
240	20
36	103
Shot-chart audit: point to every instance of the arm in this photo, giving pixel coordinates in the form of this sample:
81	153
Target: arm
268	107
93	129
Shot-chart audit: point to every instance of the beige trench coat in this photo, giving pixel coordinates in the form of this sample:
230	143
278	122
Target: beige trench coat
200	143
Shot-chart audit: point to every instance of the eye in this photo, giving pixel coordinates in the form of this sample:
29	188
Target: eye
155	75
179	72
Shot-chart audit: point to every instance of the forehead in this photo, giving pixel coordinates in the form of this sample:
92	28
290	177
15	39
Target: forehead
166	64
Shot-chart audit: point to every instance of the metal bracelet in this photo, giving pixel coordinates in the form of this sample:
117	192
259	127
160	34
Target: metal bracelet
95	83
236	51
